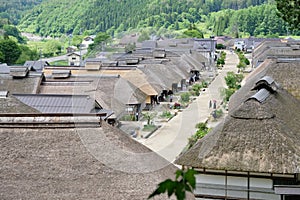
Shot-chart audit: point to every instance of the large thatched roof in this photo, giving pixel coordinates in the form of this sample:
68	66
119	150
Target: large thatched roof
285	73
260	135
26	85
77	162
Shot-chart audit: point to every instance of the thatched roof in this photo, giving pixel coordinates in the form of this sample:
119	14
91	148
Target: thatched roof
285	73
29	85
255	136
162	76
136	77
77	163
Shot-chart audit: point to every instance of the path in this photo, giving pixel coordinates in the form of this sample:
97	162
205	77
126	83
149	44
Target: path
171	138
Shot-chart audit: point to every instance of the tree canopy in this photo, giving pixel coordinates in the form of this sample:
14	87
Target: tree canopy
289	11
10	51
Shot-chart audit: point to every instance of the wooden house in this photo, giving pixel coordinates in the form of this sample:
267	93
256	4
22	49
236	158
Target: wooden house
74	59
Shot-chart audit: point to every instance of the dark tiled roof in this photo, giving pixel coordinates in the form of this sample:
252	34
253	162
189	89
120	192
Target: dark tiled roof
58	103
10	104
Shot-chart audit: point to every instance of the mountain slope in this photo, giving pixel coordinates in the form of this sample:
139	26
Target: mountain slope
14	10
55	17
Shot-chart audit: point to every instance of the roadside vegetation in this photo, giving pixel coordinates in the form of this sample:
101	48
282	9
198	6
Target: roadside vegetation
202	130
244	62
233	82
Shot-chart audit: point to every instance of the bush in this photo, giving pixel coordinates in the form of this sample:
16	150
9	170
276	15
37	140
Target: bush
166	114
185	97
149	128
201	132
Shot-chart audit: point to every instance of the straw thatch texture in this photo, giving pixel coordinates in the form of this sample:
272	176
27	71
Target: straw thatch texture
55	163
286	74
27	85
256	137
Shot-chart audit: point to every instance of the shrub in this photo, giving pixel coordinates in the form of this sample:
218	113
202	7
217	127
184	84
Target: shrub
185	97
166	114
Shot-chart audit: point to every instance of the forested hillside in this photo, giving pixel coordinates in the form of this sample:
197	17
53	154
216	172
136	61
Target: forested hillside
253	21
14	10
55	17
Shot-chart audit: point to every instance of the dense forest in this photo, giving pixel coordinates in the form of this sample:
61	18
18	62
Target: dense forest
56	17
14	10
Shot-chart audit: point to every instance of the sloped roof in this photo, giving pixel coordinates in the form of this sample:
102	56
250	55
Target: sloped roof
37	65
286	74
255	136
78	163
136	77
10	104
29	84
112	92
162	76
53	103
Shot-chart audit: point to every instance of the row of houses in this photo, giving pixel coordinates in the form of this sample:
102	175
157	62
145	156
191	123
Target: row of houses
254	153
56	141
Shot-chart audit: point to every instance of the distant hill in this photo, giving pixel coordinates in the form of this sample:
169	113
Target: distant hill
55	17
14	10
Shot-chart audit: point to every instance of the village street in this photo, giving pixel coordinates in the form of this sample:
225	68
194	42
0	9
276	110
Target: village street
169	140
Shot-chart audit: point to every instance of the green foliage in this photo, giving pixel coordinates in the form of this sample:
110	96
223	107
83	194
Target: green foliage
52	48
130	48
233	82
252	21
144	36
185	181
26	54
289	11
10	51
185	97
202	130
101	37
193	32
220	46
196	89
14	10
13	31
149	116
149	128
56	17
243	60
166	114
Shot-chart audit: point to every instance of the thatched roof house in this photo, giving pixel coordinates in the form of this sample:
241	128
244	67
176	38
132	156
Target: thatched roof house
256	136
42	160
259	138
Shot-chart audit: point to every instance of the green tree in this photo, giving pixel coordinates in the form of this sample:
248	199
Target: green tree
233	80
101	37
144	36
52	47
27	54
289	11
149	116
10	51
184	182
13	31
